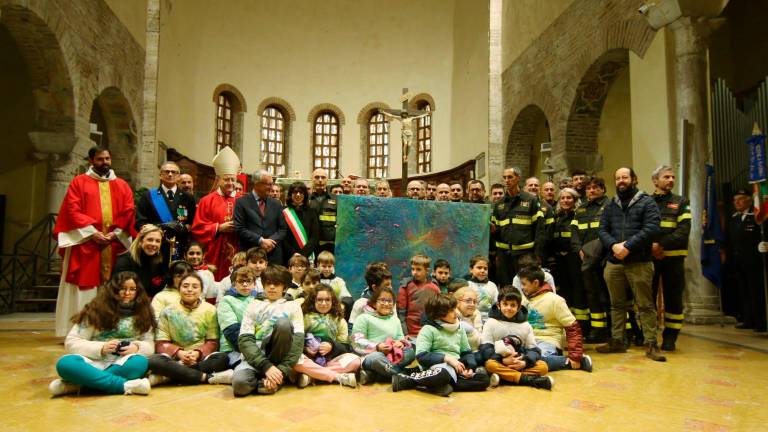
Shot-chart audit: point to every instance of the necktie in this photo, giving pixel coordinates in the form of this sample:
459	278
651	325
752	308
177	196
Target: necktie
170	195
262	206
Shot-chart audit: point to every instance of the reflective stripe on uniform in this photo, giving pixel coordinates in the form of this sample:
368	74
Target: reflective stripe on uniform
502	222
672	253
673	325
501	245
670	315
324	242
583	226
549	221
594	224
328	218
521	221
598	315
683	217
601	324
580	314
523	246
668	224
575	222
563	234
538	214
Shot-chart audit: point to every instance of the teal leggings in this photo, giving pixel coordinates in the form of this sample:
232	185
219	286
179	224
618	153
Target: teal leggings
74	369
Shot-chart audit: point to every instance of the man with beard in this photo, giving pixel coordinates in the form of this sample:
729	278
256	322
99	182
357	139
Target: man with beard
94	225
187	184
578	180
627	228
415	189
670	247
457	191
476	192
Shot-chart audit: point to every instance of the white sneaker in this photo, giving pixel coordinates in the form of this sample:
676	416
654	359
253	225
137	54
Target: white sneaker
59	387
495	380
365	377
139	386
347	380
303	381
223	377
156	380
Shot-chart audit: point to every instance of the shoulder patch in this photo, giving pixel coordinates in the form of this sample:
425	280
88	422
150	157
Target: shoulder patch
673	206
524	204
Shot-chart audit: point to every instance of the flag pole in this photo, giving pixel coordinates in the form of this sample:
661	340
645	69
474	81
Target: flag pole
757	132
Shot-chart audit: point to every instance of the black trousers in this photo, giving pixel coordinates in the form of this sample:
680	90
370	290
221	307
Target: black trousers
750	292
506	267
669	276
164	365
597	297
478	382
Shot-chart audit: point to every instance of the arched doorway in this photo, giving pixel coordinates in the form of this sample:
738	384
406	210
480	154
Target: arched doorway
113	126
37	118
529	131
596	129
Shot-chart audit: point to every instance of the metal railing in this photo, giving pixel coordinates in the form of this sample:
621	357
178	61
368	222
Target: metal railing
34	257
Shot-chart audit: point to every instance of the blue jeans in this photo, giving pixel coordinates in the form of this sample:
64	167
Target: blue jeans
553	357
378	363
74	369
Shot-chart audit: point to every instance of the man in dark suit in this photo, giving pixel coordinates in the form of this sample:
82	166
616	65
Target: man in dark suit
259	220
168	207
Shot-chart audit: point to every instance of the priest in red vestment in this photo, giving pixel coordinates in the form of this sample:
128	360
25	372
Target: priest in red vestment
213	226
94	225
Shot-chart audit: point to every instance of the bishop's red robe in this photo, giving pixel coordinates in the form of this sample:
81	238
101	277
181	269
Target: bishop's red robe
213	210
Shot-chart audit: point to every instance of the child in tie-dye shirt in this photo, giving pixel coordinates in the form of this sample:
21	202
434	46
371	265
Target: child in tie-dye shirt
487	291
187	339
271	337
170	294
324	322
109	341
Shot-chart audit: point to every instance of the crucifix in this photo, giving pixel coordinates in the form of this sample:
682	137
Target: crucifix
406	117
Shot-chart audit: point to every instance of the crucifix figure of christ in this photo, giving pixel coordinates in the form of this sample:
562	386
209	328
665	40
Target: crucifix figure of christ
406	117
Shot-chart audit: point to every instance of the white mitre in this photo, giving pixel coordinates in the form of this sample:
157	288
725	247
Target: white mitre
226	162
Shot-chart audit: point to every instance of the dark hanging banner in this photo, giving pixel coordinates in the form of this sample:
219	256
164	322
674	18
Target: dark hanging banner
757	158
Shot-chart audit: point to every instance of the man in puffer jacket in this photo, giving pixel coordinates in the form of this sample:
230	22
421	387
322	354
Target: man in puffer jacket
627	227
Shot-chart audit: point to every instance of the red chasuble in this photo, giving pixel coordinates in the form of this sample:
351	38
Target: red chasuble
89	204
213	210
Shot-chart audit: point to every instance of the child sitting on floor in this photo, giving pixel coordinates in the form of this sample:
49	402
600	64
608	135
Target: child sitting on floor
298	266
271	337
486	290
467	313
552	321
376	276
378	335
227	282
442	277
328	356
509	318
326	263
170	294
442	347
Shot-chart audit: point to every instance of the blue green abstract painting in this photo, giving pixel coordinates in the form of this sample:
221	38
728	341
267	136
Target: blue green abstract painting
370	229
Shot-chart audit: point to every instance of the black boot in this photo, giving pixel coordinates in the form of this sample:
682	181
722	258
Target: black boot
636	331
613	346
669	338
542	382
435	381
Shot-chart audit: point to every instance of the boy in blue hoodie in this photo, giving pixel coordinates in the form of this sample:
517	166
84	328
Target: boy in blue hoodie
442	347
508	346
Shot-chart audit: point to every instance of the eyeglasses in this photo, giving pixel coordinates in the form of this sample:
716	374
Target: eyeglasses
171	172
244	281
385	301
128	290
469	301
298	267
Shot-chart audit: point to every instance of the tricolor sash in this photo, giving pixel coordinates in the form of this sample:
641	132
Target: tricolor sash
158	201
299	233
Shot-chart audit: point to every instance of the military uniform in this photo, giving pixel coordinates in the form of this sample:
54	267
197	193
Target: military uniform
745	265
584	226
518	229
675	226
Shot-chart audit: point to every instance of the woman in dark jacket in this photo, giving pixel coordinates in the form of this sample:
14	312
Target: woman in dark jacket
144	258
567	270
298	204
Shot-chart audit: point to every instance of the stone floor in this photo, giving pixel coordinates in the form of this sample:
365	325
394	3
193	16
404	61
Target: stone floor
713	383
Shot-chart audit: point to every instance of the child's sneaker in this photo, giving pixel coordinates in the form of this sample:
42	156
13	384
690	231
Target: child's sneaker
303	381
263	390
366	377
137	387
156	380
223	377
347	380
586	363
495	380
542	382
59	387
444	390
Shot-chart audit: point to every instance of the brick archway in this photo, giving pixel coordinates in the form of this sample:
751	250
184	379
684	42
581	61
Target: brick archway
521	138
112	112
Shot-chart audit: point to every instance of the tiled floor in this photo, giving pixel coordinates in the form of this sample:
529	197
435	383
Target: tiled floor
705	386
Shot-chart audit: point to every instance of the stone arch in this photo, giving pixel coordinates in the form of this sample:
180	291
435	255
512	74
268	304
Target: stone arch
363	117
317	109
583	122
413	103
365	113
280	103
239	107
53	127
116	130
229	88
522	136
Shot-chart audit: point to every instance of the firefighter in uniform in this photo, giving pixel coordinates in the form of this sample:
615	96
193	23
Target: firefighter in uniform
517	224
670	247
585	243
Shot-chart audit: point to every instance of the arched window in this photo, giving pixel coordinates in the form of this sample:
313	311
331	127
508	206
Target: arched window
274	125
325	142
378	146
224	120
424	140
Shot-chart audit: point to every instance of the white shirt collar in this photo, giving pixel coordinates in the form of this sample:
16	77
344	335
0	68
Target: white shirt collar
165	189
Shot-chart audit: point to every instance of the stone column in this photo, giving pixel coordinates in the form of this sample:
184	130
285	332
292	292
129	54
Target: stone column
690	36
55	147
495	127
148	172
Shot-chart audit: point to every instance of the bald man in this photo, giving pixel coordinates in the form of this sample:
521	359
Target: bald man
443	192
415	189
